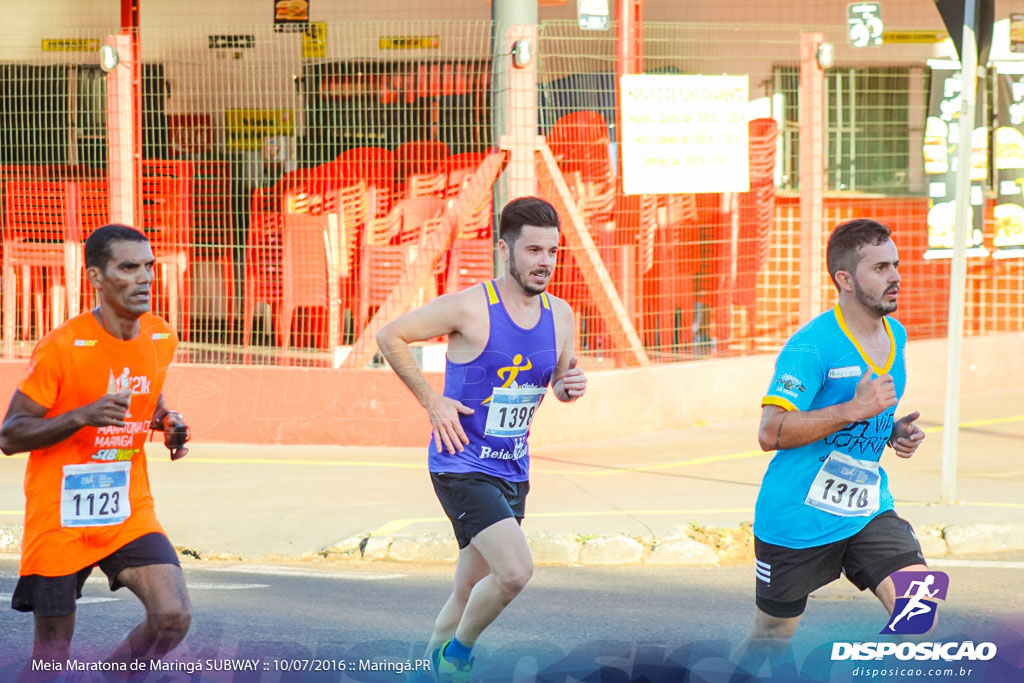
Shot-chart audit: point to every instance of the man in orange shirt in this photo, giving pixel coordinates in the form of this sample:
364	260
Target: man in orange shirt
90	395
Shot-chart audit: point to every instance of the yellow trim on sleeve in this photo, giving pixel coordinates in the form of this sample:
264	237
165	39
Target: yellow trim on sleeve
783	403
492	295
865	356
544	300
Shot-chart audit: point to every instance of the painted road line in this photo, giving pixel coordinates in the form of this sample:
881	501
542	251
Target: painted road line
936	504
200	586
590	472
269	570
284	461
397	525
684	463
759	453
12	512
991	505
580	472
981	564
978	423
6	597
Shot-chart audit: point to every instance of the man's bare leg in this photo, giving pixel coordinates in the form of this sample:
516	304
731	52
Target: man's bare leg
503	548
471	568
161	588
52	641
768	640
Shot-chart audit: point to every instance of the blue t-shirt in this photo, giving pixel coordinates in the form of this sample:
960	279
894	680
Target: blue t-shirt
504	385
820	366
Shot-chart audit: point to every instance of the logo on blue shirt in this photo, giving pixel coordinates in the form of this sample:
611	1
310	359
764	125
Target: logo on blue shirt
788	384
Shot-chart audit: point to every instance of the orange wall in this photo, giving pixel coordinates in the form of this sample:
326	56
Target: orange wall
269	405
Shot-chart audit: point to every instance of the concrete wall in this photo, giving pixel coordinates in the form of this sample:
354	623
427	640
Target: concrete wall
270	405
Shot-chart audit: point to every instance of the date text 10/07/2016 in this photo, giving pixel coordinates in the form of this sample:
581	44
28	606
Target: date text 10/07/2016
193	666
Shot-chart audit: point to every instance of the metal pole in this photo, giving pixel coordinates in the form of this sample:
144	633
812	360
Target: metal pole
130	25
507	15
812	175
629	59
958	274
122	169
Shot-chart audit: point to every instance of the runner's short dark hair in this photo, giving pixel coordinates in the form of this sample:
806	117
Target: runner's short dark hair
98	246
526	211
844	244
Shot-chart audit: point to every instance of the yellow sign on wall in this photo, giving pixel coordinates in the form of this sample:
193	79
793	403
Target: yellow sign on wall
409	42
246	128
913	36
314	41
70	44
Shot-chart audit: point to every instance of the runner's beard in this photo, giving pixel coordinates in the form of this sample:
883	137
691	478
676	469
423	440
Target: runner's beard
876	305
517	275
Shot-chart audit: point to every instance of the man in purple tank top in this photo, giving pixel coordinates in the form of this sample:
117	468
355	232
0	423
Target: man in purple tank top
508	340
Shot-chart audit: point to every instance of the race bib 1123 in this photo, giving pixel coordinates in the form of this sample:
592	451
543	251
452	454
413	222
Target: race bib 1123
95	495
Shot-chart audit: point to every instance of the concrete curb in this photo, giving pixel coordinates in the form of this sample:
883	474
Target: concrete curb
703	547
706	546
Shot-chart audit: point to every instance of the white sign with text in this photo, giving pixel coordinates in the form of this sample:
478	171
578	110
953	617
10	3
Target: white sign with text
684	134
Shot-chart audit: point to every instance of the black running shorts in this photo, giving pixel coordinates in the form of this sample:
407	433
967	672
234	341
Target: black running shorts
786	576
474	501
54	596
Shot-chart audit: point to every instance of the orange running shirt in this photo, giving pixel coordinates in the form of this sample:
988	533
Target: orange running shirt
92	470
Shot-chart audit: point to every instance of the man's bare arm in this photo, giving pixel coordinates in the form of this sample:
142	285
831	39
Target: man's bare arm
568	382
781	428
438	318
444	315
25	428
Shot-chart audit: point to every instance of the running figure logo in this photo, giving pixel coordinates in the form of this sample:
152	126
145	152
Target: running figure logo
916	595
509	373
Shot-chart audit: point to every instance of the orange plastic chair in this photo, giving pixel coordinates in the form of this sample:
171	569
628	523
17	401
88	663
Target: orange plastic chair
386	252
458	167
426	185
213	224
40	233
167	222
375	166
354	205
262	256
669	288
309	273
756	214
471	258
471	261
418	157
579	142
93	212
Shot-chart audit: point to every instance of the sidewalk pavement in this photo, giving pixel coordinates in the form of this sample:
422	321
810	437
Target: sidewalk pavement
680	497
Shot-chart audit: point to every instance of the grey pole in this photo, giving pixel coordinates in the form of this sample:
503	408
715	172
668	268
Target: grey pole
958	275
504	13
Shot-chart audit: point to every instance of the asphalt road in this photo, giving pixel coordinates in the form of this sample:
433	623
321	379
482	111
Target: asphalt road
571	623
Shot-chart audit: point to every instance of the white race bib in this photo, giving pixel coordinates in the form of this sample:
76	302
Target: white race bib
95	495
845	486
510	410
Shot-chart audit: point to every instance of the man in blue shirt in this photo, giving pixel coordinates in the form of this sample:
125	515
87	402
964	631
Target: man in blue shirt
824	507
508	339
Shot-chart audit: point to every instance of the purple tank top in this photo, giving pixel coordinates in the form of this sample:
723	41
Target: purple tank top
505	385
